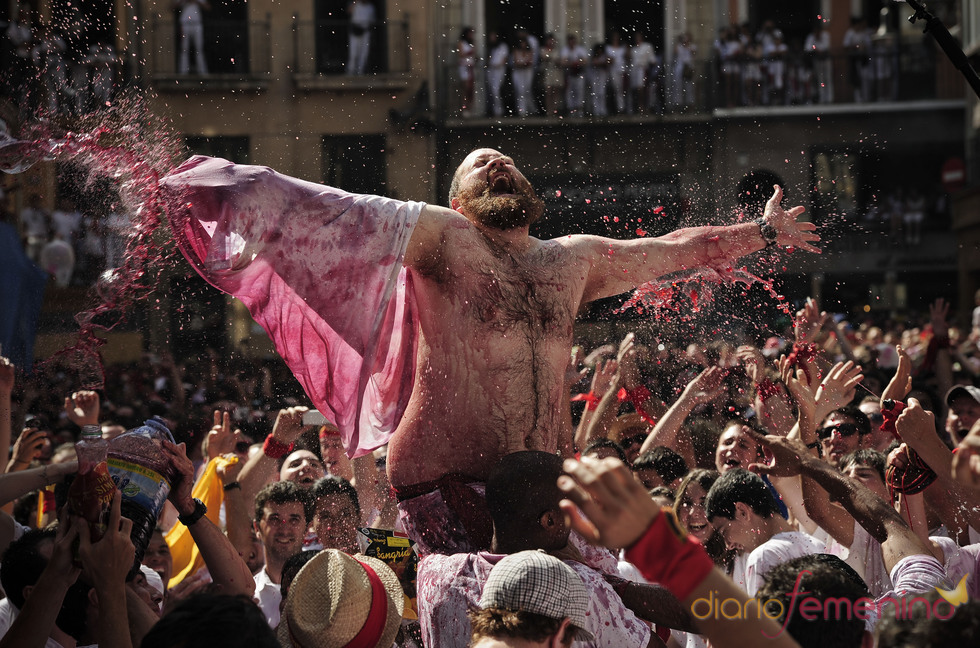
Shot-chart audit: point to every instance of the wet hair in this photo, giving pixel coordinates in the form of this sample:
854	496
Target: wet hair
23	563
520	488
662	491
825	578
667	463
208	620
333	485
856	415
304	443
282	492
606	443
917	629
739	485
715	545
864	457
513	624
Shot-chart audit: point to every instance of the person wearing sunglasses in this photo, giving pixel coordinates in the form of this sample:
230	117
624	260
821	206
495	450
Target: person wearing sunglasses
844	430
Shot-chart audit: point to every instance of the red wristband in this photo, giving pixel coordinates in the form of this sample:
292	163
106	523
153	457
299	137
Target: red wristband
591	400
889	416
275	449
667	555
637	397
767	389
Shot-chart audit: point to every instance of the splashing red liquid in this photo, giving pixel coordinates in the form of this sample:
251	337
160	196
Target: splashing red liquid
682	294
129	146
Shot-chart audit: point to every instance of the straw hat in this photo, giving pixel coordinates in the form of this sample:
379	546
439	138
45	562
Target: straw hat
333	600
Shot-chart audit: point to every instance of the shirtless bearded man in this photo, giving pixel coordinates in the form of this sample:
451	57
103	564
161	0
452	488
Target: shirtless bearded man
487	309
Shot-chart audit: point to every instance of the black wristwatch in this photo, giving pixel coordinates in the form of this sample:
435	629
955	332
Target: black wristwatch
199	510
769	233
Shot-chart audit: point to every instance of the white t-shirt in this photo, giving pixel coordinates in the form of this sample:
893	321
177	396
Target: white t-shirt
268	595
775	551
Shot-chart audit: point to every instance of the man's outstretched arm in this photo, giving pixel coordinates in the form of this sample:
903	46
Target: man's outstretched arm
618	266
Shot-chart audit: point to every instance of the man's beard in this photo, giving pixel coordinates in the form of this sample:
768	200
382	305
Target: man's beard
502	212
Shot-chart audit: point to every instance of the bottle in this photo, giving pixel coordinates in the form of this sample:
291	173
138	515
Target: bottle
91	492
143	475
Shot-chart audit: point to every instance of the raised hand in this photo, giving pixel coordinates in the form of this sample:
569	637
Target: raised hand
107	561
786	455
966	461
229	470
915	422
82	408
938	310
617	509
753	361
706	386
605	377
838	387
220	439
799	389
809	321
289	424
901	383
629	373
28	447
790	231
183	484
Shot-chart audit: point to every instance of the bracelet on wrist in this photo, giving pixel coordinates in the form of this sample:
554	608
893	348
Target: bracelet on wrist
232	486
275	449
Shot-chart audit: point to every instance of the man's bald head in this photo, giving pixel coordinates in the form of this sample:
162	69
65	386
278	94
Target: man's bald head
490	190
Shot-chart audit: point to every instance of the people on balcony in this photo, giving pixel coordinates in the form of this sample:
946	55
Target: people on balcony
816	48
574	59
617	52
496	72
466	66
362	18
191	18
522	76
553	75
643	72
599	80
685	52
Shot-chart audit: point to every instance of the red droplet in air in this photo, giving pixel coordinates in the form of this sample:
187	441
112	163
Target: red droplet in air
658	209
641	232
615	219
790	249
558	193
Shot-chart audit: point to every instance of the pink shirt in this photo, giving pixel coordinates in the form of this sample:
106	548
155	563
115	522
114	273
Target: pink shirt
321	271
448	586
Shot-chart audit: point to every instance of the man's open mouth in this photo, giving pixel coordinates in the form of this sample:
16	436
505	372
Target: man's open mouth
500	183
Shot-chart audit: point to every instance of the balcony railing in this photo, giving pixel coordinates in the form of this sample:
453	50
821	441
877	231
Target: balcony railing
233	49
322	47
909	73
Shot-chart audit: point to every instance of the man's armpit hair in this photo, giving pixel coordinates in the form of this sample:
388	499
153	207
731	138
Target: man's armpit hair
494	623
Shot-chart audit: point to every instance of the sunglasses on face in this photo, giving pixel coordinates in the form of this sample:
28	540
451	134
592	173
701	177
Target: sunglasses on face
842	429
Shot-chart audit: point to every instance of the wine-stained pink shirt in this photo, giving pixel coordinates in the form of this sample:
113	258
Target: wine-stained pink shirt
321	271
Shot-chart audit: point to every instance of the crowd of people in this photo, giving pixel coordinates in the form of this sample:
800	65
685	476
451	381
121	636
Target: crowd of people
809	468
763	69
54	67
525	75
825	397
624	74
72	243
